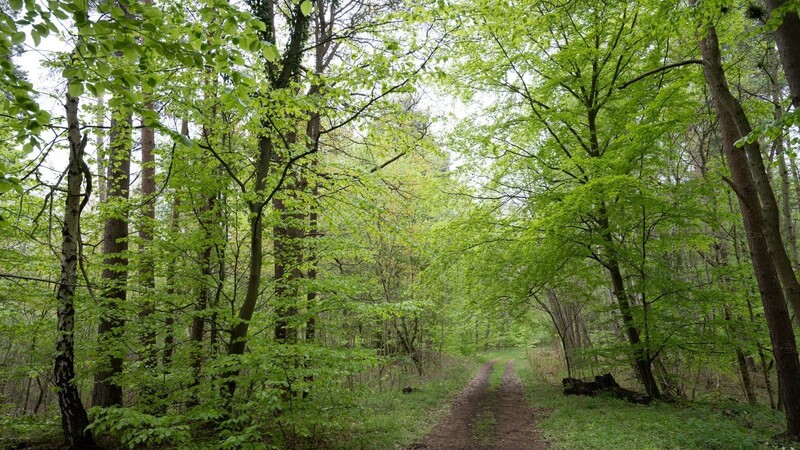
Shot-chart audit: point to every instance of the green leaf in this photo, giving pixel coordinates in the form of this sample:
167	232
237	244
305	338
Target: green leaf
15	184
43	117
271	53
75	88
305	7
15	5
117	13
70	72
6	185
186	141
18	37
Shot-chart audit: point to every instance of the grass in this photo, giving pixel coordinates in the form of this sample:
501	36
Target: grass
571	422
496	375
392	419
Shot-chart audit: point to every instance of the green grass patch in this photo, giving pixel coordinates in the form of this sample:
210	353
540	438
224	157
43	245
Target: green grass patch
496	375
605	422
572	422
392	419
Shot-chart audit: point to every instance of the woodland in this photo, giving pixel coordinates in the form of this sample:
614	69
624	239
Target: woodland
225	225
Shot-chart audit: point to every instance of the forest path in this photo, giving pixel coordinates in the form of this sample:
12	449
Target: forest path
485	417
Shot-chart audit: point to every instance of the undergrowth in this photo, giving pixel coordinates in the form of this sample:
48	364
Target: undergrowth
394	419
573	422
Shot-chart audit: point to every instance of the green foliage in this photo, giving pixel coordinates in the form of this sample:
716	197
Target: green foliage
137	430
16	429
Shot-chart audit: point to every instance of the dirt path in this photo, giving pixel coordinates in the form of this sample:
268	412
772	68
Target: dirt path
484	418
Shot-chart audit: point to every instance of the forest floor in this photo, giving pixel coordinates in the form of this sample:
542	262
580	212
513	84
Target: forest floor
490	413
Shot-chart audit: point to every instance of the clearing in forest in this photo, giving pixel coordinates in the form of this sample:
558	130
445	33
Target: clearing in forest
487	417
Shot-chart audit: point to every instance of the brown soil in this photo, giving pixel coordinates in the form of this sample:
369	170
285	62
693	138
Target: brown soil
483	419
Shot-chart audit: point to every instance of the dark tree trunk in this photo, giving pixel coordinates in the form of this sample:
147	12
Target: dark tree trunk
208	222
744	370
197	328
73	415
775	309
106	391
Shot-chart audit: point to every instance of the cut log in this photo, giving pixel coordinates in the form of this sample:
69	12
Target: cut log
603	383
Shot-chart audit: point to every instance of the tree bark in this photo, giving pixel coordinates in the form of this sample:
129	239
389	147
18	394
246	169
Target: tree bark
74	419
238	340
744	371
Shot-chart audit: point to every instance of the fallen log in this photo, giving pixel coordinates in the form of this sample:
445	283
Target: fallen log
603	383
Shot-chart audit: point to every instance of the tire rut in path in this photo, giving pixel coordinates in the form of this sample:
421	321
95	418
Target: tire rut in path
513	421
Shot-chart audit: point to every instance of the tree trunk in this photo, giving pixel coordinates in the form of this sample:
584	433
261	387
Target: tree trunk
744	370
640	353
238	340
197	327
106	391
775	310
147	274
74	419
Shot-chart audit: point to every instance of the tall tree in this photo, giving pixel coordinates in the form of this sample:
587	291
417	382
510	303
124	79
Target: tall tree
107	390
74	420
734	126
281	75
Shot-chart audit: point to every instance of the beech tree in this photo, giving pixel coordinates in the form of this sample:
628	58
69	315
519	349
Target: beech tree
763	234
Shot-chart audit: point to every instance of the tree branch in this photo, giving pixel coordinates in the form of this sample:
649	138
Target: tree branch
659	70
